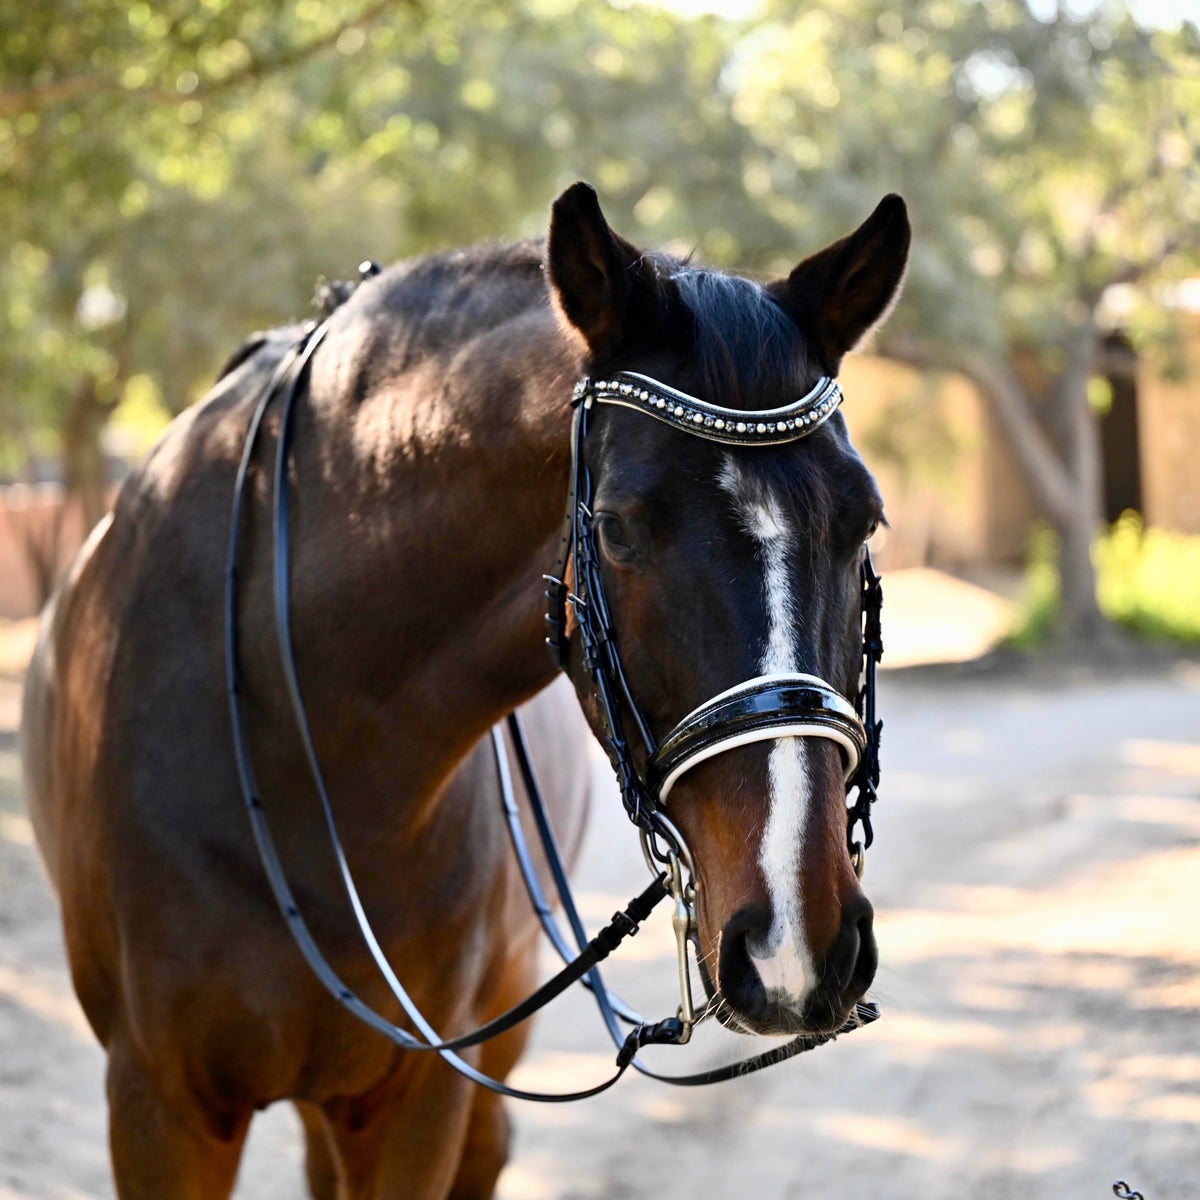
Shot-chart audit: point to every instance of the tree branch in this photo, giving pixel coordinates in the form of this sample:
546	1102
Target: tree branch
1008	402
1133	272
58	90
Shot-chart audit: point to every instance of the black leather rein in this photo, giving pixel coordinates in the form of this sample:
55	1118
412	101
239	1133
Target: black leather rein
791	702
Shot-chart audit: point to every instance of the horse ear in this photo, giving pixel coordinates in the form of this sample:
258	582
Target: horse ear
594	273
841	293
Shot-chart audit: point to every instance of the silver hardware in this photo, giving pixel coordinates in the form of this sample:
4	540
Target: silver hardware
683	921
678	861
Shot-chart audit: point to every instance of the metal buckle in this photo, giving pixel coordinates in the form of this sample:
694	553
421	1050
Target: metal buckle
858	858
683	921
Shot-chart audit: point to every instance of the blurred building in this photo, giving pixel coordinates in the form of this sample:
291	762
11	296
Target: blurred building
954	494
1168	407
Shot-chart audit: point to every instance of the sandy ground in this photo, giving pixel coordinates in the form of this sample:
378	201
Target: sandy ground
1036	877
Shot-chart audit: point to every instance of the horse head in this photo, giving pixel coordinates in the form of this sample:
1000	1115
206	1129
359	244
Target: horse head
722	563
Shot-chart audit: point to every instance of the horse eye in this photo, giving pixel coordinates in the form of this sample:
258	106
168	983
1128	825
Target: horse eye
878	526
613	535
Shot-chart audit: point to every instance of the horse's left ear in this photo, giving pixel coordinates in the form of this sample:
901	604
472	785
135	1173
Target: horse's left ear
838	295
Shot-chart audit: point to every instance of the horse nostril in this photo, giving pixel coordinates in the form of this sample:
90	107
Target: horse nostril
851	962
737	976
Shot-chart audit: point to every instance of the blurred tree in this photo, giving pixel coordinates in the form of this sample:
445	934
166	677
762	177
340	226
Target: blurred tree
147	212
1049	161
173	175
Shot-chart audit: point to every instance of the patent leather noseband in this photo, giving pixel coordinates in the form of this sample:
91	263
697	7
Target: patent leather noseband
771	706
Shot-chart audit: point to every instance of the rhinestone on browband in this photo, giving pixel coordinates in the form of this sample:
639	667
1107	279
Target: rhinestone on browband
711	421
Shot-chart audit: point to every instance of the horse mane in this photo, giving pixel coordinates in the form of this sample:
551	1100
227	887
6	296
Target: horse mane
247	349
747	351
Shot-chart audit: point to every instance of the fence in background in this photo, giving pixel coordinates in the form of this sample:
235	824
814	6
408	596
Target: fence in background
33	525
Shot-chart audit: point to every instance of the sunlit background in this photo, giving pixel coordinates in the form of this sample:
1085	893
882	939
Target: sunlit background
174	175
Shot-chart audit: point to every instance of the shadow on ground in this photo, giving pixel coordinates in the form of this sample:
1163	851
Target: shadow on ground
1037	880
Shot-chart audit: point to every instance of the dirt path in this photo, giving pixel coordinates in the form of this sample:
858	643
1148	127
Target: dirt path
1037	882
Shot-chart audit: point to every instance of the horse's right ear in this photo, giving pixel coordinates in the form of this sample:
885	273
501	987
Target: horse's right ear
596	276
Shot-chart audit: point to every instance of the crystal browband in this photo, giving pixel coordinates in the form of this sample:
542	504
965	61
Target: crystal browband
762	428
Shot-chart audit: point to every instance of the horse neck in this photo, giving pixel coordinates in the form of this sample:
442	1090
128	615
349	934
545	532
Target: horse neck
418	562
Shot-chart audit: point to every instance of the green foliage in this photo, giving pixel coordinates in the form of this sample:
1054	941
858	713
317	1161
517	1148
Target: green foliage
1043	158
1147	580
1040	607
139	418
173	175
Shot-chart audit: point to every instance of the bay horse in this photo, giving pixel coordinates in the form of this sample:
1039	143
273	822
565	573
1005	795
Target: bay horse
429	462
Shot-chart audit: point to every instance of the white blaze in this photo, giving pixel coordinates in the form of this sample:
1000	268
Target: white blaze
784	961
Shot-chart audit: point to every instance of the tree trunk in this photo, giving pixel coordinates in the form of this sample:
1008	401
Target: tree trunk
85	474
1081	616
1082	619
1066	482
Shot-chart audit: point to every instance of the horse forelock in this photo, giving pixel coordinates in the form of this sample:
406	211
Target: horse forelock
746	351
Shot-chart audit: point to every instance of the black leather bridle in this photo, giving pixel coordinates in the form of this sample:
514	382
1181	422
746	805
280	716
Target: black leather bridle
788	704
796	699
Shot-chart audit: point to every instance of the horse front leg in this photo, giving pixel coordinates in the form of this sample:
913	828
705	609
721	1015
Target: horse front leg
320	1157
404	1140
164	1140
485	1150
